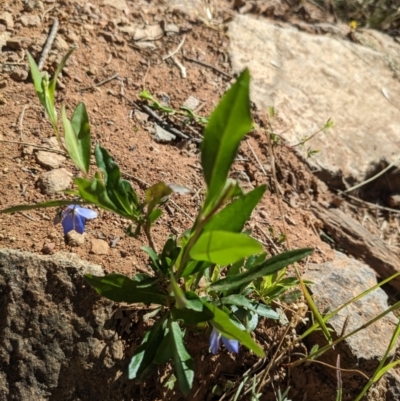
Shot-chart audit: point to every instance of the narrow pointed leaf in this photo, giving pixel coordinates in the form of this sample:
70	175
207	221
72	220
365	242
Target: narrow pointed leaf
73	147
52	85
141	364
223	324
241	300
36	76
223	247
183	363
81	126
234	216
228	124
120	288
270	266
42	205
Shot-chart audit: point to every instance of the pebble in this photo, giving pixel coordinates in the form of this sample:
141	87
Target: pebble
99	247
49	160
7	19
30	20
75	239
19	75
18	43
48	248
55	180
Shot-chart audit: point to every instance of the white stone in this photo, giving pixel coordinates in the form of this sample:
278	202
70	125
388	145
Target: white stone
311	78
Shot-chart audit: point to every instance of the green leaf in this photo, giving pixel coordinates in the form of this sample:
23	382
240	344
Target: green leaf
78	142
240	300
119	191
228	124
189	316
95	192
223	248
234	216
194	266
223	324
165	350
141	364
180	299
154	215
81	126
52	85
42	205
157	194
183	363
37	77
265	268
120	288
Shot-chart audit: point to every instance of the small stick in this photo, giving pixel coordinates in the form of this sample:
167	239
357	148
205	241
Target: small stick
374	177
369	204
176	50
193	60
180	66
61	152
49	42
269	239
21	120
27	216
100	83
255	156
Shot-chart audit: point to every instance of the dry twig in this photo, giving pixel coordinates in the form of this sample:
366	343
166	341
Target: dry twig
49	43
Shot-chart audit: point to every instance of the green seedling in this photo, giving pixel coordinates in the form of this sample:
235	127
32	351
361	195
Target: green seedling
204	279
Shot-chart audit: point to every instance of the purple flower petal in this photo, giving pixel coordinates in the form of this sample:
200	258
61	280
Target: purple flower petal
88	214
72	220
79	224
231	345
68	222
214	341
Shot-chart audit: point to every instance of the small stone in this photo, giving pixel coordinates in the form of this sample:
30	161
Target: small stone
53	181
191	103
49	160
394	201
52	142
30	20
18	43
48	248
3	84
61	45
72	37
7	19
19	75
99	247
3	101
75	239
108	36
162	135
27	151
1	237
141	117
12	239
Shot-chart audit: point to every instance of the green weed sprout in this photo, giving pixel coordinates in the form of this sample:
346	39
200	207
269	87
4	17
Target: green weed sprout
214	249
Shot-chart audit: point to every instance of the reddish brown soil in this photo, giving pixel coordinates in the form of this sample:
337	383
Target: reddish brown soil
141	159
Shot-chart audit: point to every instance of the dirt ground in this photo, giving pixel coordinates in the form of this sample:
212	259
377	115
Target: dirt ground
103	32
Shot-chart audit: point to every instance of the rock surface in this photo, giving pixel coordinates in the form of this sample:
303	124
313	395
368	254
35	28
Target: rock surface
311	78
55	180
336	283
57	337
49	160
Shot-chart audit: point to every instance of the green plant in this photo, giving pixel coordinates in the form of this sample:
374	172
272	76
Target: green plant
230	264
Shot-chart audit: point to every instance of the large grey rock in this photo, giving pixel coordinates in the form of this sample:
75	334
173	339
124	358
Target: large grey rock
336	283
57	337
310	78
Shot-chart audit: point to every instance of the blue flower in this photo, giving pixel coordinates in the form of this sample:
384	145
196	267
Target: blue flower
74	218
215	337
